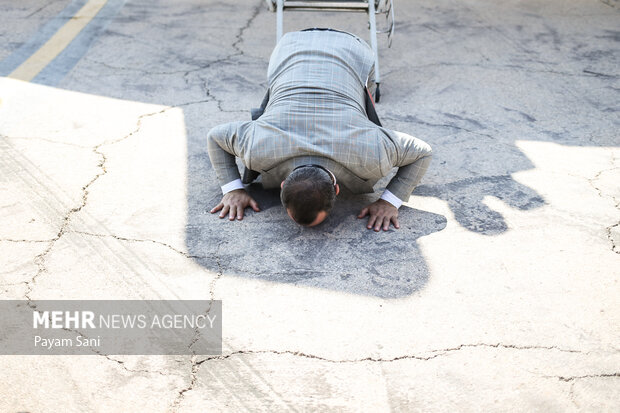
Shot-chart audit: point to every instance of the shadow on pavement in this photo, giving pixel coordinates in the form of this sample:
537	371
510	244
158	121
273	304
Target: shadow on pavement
465	198
340	254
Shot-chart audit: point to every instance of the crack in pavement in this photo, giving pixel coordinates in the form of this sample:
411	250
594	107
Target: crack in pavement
440	353
158	243
248	23
119	362
503	68
25	240
46	140
207	91
211	294
3	284
120	238
46	5
220	272
193	378
571	394
607	3
122	364
416	120
144	71
597	74
195	365
213	98
615	248
240	52
608	230
137	128
585	376
39	259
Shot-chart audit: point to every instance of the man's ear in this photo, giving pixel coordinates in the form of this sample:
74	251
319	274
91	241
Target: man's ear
282	185
337	189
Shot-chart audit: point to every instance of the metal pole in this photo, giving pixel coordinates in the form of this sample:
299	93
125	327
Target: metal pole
373	38
279	19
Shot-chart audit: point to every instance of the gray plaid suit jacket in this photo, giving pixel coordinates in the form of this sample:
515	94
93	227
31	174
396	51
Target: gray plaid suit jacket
316	115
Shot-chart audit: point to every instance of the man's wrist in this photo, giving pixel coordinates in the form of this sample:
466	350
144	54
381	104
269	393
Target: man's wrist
391	198
232	185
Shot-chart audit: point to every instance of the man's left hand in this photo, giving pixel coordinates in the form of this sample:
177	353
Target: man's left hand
381	214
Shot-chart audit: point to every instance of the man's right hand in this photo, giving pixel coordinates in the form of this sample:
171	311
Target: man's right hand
234	204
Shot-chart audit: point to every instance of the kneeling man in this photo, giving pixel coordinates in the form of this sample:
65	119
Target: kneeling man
315	134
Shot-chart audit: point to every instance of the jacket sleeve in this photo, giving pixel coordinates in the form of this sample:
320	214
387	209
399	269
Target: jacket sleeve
221	147
412	159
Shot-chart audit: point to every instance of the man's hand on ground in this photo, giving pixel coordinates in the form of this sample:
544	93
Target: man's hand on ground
381	214
234	204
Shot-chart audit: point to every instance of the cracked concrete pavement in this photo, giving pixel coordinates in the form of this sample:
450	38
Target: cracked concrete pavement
499	292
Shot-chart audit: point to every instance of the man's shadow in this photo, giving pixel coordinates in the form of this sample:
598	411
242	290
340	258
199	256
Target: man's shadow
340	254
465	199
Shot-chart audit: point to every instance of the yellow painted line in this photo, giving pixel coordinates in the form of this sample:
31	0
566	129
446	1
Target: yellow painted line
58	42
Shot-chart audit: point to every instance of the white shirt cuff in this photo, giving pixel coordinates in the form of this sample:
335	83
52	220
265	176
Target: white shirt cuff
231	186
391	198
